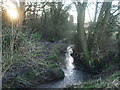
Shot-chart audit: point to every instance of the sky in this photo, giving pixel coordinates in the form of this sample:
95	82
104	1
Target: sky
90	10
89	13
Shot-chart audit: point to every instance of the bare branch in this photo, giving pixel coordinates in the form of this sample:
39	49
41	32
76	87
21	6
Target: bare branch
116	10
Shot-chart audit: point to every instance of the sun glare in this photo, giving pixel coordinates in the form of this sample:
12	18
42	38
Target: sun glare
12	13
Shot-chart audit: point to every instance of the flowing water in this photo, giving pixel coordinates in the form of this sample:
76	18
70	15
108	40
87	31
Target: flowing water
72	75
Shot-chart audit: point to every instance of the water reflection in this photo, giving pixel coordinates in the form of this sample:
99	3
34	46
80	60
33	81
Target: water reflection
69	60
72	76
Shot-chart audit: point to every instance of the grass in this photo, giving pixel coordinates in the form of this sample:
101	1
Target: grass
110	81
52	57
38	65
36	54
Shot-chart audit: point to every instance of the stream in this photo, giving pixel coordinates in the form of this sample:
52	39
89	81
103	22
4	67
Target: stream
72	75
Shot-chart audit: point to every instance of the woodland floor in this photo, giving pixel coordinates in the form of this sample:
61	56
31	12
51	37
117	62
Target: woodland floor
34	64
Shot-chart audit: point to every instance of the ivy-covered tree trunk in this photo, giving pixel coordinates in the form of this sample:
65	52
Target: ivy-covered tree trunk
81	39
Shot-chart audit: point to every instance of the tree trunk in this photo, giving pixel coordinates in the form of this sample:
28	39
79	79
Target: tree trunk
96	11
102	22
81	40
21	10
